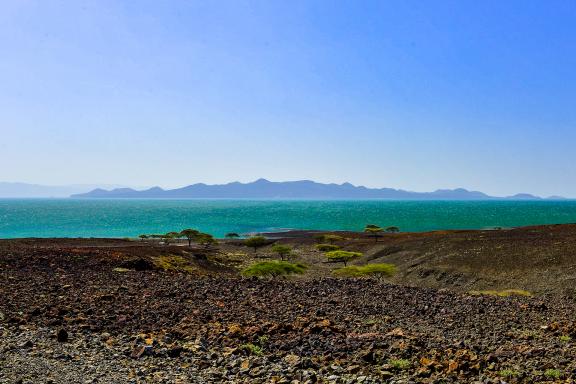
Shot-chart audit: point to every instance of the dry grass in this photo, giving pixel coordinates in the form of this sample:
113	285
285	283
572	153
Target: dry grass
174	263
504	293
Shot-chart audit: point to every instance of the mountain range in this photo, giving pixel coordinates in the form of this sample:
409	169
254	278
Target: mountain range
25	190
304	189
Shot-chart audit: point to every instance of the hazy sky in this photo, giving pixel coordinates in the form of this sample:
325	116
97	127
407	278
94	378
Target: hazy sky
407	94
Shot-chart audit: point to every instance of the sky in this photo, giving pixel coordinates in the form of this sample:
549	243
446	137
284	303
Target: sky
411	94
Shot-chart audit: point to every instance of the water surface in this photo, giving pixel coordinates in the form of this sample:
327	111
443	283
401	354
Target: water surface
127	218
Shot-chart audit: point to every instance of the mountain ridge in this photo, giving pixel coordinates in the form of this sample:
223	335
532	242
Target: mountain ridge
301	189
29	190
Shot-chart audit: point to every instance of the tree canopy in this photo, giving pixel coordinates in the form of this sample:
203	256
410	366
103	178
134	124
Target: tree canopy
282	250
189	234
373	231
342	256
256	242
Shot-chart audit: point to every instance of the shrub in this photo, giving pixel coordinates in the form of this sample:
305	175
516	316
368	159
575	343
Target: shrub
553	373
274	269
351	271
282	250
342	256
400	364
392	229
255	242
565	338
232	235
253	349
327	247
507	373
378	270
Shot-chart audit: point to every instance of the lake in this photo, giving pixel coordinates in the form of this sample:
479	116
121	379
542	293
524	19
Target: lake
129	218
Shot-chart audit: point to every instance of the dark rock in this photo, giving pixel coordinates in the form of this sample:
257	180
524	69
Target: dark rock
62	336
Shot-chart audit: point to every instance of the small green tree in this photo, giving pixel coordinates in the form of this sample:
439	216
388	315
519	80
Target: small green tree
143	237
392	229
373	231
189	234
327	247
274	269
256	242
342	256
283	251
232	235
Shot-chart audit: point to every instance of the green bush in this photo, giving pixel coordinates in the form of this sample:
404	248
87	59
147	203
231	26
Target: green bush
377	270
252	349
565	338
508	373
274	269
327	247
400	364
553	373
342	256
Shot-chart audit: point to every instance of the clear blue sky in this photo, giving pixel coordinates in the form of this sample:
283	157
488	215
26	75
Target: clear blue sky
407	94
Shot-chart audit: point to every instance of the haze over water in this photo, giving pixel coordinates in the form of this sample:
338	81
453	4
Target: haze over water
129	218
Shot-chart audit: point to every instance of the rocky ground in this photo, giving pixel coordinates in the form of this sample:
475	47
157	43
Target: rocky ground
90	311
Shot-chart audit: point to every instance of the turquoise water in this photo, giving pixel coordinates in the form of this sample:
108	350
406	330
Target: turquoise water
123	218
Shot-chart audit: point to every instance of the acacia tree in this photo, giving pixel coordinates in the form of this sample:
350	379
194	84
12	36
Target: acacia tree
143	237
282	250
205	239
392	229
373	231
342	256
189	234
169	236
232	235
255	242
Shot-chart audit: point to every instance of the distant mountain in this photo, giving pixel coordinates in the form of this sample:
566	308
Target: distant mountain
305	189
24	190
